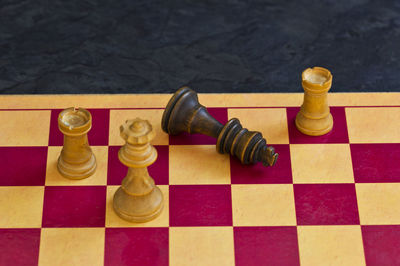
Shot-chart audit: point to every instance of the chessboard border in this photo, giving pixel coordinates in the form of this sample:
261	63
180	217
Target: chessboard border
229	100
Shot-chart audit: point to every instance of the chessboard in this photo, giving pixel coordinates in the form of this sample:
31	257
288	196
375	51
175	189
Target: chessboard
329	200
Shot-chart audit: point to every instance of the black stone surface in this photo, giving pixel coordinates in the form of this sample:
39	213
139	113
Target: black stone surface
143	46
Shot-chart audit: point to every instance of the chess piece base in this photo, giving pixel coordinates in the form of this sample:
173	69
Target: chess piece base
314	127
77	171
138	208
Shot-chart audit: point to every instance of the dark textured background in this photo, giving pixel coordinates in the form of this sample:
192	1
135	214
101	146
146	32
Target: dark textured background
144	46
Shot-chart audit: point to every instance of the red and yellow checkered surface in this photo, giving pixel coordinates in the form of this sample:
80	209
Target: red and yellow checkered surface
329	200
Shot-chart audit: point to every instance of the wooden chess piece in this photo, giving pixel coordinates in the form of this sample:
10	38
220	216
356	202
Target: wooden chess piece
138	199
184	113
314	117
76	160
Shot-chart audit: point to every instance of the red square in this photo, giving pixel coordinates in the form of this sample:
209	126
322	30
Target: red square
326	204
381	244
373	163
266	246
19	246
74	206
280	173
200	205
220	114
136	246
337	135
116	171
98	134
23	166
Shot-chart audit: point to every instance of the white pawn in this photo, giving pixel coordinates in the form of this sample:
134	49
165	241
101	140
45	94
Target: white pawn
138	199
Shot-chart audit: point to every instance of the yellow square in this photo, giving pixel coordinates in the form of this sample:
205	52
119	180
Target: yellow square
330	245
201	246
21	207
198	164
271	122
321	163
72	246
378	203
54	178
373	124
118	117
113	220
24	128
263	205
